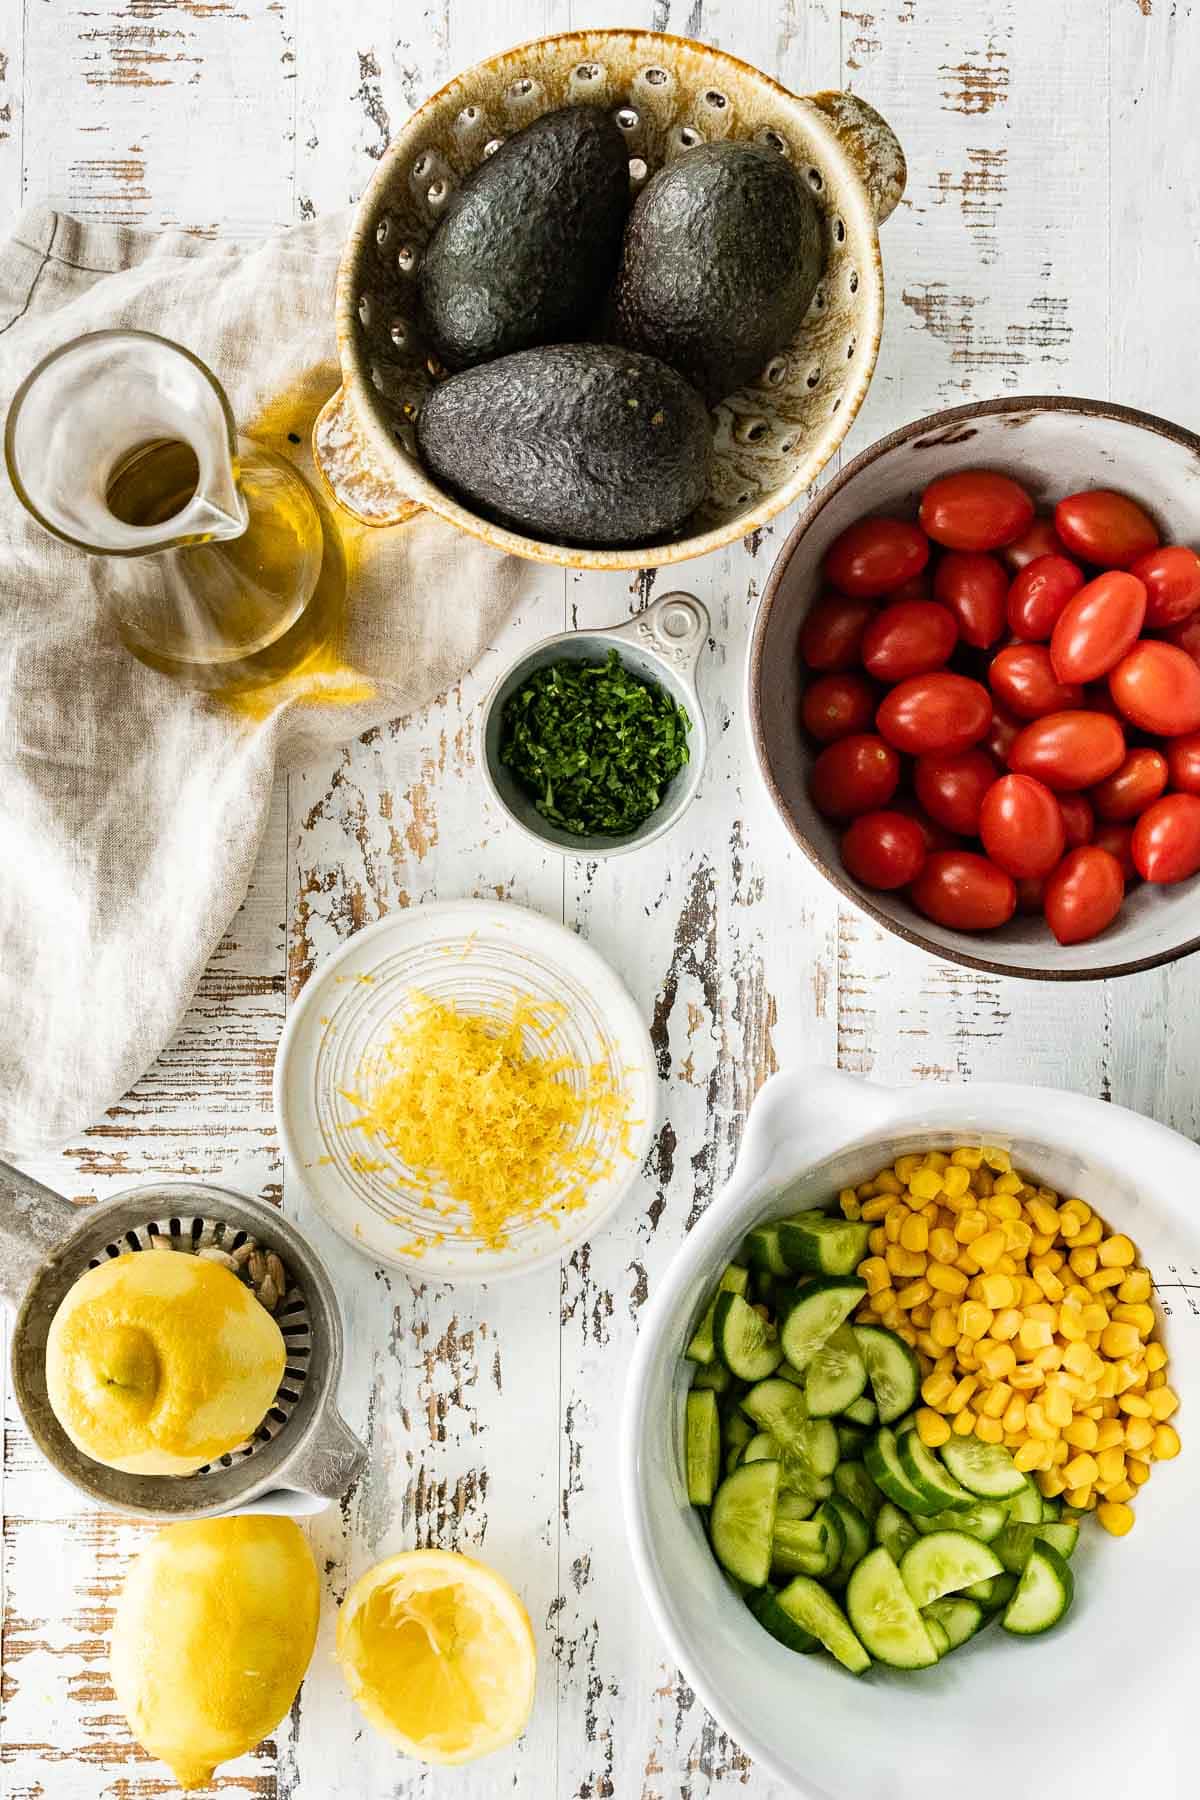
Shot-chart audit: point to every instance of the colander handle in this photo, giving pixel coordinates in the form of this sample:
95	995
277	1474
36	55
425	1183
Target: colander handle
871	145
349	471
33	1222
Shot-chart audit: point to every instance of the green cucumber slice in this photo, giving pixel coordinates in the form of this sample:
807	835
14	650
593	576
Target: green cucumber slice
815	1314
793	1505
881	1457
781	1625
741	1522
925	1473
939	1637
985	1520
746	1344
808	1446
806	1601
762	1250
863	1412
714	1376
733	1456
822	1244
1014	1545
851	1481
835	1376
993	1593
959	1619
702	1446
851	1438
856	1535
881	1611
761	1448
984	1469
894	1530
736	1429
892	1370
1051	1507
701	1348
946	1562
1025	1505
1043	1595
808	1546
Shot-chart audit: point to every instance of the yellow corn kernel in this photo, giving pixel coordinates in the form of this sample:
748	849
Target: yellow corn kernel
875	1273
1162	1402
1102	1279
961	1393
1082	1470
999	1362
1083	1261
937	1388
925	1344
1110	1465
989	1431
1124	1490
1028	1291
997	1159
1139	1435
1137	1471
912	1295
1025	1377
964	1353
996	1291
1117	1252
1091	1233
849	1203
1136	1287
1039	1243
966	1157
1042	1309
1095	1315
1166	1443
988	1249
1050	1482
956	1181
1006	1324
1027	1456
887	1182
942	1245
995	1401
1017	1236
1014	1416
891	1226
970	1225
877	1240
932	1429
1004	1207
926	1184
1049	1283
1059	1453
1038	1424
914	1233
1082	1434
1008	1183
974	1319
1057	1407
1115	1517
964	1422
905	1167
1156	1357
875	1207
1079	1209
1118	1340
1137	1314
920	1316
1110	1433
1070	1324
1034	1334
944	1276
943	1327
1048	1358
906	1263
1135	1406
1157	1380
1043	1216
935	1159
1079	1498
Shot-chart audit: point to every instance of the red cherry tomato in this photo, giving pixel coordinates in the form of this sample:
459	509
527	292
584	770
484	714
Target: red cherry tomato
1040	540
1021	825
1183	763
1186	637
1079	821
976	509
1157	687
1105	528
874	555
1130	789
831	637
964	891
1171	578
909	637
915	588
855	775
1098	626
884	849
1038	594
1030	894
1166	839
1083	894
835	705
1022	677
1001	732
940	711
975	588
951	784
1069	749
1117	840
936	836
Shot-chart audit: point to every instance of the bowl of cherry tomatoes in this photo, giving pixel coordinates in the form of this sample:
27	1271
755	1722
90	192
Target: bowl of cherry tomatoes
974	686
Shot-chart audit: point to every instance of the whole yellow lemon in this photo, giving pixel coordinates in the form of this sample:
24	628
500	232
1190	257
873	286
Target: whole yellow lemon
157	1363
213	1632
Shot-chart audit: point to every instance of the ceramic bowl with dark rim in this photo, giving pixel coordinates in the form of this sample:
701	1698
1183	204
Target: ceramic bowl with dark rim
1053	445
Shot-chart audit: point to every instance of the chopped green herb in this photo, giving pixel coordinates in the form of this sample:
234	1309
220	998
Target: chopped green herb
594	744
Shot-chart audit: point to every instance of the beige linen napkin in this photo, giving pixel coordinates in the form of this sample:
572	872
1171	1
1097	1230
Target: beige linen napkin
130	808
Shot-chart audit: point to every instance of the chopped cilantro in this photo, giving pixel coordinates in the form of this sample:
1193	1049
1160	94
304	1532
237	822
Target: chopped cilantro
594	744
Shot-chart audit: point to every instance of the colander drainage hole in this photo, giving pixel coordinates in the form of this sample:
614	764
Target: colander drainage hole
287	1394
197	1230
279	1417
227	1462
294	1375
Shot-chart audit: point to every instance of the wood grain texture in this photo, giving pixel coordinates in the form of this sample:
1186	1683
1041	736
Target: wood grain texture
1046	243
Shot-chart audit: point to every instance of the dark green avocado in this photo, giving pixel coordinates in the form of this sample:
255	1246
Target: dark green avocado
530	242
722	254
571	443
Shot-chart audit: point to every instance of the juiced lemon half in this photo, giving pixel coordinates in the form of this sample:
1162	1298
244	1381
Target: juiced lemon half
158	1362
439	1654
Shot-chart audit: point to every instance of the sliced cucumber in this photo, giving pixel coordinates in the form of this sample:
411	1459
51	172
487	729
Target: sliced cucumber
786	1372
851	1481
746	1344
702	1446
925	1473
808	1446
959	1619
985	1520
856	1535
733	1456
863	1412
993	1593
701	1348
815	1314
939	1637
984	1469
1051	1507
808	1546
806	1601
763	1251
894	1530
761	1448
822	1244
793	1505
882	1459
892	1370
741	1523
1043	1595
851	1438
781	1625
713	1375
736	1429
1014	1545
945	1563
1025	1505
881	1611
835	1376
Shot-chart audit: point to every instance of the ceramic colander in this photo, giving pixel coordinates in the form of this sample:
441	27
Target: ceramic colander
302	1456
667	94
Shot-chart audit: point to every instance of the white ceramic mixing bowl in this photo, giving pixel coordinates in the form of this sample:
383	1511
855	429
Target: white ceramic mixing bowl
1103	1706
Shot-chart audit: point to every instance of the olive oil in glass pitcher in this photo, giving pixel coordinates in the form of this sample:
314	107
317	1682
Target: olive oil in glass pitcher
211	551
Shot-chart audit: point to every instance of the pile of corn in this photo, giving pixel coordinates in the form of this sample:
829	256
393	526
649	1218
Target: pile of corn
1032	1320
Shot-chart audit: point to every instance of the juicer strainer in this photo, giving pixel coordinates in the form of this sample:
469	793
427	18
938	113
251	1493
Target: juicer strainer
303	1454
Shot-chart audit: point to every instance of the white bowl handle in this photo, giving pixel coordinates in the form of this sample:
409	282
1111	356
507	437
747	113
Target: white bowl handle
814	1108
675	627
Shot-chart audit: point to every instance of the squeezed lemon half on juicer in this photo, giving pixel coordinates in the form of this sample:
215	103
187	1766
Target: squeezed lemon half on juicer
156	1364
439	1654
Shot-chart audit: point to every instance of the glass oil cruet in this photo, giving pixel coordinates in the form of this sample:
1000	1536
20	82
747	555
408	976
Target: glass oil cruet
210	549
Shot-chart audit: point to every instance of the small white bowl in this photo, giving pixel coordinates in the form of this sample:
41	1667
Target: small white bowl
663	646
1106	1704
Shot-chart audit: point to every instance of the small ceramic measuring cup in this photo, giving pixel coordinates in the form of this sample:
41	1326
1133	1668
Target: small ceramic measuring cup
662	645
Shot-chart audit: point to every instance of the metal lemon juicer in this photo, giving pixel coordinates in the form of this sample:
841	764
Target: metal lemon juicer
301	1457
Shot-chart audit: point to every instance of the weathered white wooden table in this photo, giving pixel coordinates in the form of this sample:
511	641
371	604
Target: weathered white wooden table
1047	242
